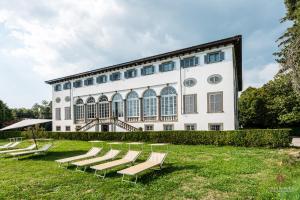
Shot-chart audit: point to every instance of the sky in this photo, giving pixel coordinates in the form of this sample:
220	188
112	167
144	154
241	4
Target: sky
42	40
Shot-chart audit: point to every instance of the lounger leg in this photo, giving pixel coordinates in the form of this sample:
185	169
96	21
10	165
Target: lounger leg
123	177
135	179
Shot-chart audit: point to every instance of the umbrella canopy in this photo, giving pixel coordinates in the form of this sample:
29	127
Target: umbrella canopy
26	123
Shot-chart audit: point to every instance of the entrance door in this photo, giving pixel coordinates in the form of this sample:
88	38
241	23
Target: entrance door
105	128
116	114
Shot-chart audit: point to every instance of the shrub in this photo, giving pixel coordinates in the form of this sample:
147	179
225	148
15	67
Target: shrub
247	138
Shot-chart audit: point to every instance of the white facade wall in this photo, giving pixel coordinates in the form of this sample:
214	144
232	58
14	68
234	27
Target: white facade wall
157	82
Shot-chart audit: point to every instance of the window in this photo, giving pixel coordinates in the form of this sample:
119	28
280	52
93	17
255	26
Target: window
190	104
190	82
77	84
79	110
57	100
89	81
214	57
91	108
67	86
132	104
168	127
167	66
189	62
67	99
103	107
57	114
115	76
190	127
57	87
214	79
215	126
149	103
117	105
68	128
67	113
149	127
215	102
101	79
58	128
168	101
131	73
147	70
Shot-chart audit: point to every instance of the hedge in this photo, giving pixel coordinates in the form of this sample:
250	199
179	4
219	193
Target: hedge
247	138
10	134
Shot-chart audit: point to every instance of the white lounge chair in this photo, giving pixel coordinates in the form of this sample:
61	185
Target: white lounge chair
111	154
129	158
155	159
91	153
31	147
13	145
42	150
5	146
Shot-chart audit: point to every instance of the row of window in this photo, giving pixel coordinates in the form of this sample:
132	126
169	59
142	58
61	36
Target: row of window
146	70
168	127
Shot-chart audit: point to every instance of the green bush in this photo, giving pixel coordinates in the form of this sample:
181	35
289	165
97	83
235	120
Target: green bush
247	138
10	134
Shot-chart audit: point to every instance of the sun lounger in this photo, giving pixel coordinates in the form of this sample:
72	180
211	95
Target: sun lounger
42	150
129	158
6	145
91	153
111	154
13	145
154	160
31	147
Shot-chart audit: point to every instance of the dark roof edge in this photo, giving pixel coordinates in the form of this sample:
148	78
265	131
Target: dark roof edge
235	40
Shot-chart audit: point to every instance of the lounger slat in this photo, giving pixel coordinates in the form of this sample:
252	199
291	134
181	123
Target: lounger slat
91	153
31	147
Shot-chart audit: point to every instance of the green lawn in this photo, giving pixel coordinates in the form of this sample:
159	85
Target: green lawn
192	172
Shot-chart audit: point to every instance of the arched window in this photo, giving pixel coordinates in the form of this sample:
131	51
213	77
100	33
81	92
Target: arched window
79	109
149	103
132	104
103	107
91	108
168	101
117	105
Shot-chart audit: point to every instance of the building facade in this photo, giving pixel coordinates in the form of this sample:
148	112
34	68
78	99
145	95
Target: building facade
195	88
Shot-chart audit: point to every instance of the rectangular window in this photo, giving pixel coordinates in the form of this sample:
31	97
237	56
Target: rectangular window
213	57
215	102
101	79
67	86
57	87
190	104
190	127
147	70
189	62
57	128
168	127
115	76
131	73
77	84
149	127
215	126
68	128
167	66
89	81
57	114
67	113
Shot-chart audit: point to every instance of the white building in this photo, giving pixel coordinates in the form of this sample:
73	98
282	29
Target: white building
195	88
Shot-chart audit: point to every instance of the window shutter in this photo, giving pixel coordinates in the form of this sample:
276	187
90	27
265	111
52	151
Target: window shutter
181	63
161	68
98	79
206	59
111	77
222	56
153	69
196	60
134	72
173	65
126	74
85	82
143	71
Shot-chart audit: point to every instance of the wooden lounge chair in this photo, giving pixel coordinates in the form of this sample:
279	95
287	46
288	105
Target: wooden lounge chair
91	153
31	147
155	159
111	154
6	145
40	151
129	158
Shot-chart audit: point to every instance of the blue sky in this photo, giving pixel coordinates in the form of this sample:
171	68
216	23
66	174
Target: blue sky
41	40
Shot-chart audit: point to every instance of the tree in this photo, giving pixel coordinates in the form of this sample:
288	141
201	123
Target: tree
5	114
289	55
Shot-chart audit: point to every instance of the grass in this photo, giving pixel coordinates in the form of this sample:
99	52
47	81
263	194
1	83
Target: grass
192	172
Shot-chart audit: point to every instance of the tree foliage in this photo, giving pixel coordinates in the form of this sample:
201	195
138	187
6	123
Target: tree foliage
274	105
5	114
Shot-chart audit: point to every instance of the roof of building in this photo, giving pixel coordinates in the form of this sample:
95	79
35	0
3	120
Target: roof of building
235	40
